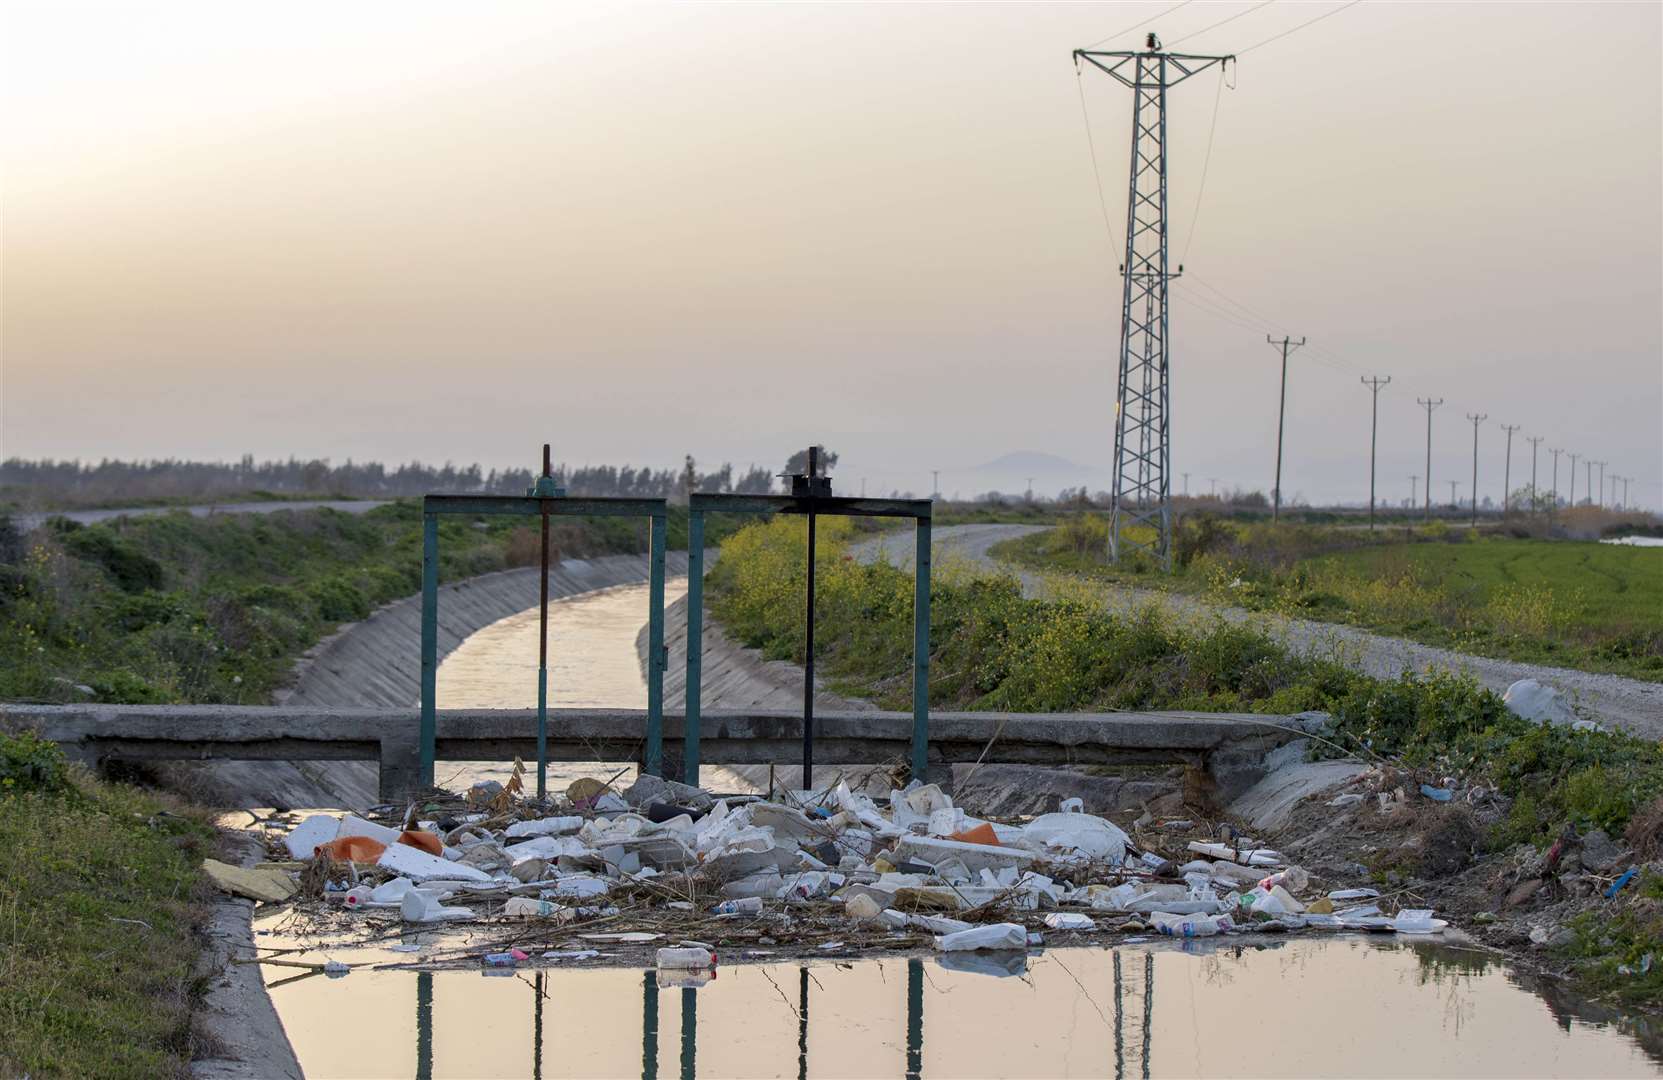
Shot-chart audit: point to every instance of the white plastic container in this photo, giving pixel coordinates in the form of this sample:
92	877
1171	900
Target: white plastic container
1188	926
993	936
686	959
749	905
1070	920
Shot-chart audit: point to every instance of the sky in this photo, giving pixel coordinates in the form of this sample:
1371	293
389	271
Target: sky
419	230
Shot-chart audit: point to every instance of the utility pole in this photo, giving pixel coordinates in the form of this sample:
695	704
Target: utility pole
935	484
1589	465
1374	384
1186	485
1212	487
1030	489
1507	471
1142	493
1535	442
1429	405
1599	492
1281	412
1413	488
1573	458
1453	501
1553	502
1626	479
1476	419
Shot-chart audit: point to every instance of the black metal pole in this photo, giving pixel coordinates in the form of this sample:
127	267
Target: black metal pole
802	1023
543	646
808	651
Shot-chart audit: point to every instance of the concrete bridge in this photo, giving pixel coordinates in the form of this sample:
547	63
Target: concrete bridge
1230	747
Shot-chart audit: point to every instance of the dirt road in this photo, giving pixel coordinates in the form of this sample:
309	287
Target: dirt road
1630	704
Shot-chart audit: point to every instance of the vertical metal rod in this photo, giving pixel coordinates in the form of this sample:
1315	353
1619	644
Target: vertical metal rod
649	1025
537	1026
424	1025
802	1023
430	645
689	1033
921	650
695	646
1148	1008
1119	1022
1476	419
655	648
543	644
915	1018
808	649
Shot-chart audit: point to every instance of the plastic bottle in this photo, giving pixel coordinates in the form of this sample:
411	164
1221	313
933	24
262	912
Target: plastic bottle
690	959
750	905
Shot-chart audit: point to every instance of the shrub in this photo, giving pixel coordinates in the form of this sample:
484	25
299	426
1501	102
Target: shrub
131	569
31	763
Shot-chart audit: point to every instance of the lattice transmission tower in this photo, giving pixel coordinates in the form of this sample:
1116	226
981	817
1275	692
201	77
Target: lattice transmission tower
1142	430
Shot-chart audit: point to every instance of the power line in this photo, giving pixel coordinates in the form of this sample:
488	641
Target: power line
1296	29
1091	144
1206	161
1221	22
1141	22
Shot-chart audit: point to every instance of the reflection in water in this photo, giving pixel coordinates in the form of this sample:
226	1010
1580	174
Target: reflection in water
1304	1007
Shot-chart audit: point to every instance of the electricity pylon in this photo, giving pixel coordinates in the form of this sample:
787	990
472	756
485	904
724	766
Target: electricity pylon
1143	429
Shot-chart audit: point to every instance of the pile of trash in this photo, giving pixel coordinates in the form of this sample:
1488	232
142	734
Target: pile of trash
690	874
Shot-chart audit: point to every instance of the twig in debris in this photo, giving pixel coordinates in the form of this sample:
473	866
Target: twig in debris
132	922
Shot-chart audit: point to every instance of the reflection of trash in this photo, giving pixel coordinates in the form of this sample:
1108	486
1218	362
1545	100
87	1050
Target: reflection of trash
691	957
994	936
1000	965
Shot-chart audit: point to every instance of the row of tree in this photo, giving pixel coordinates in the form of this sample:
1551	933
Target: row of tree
112	481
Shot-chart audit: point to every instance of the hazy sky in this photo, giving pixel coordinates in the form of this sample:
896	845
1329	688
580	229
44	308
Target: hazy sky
444	231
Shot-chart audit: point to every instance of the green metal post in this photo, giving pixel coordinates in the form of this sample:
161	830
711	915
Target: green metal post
689	1033
430	644
921	651
655	651
695	644
424	1025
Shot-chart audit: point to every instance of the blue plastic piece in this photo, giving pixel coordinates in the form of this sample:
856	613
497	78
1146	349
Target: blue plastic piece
1616	886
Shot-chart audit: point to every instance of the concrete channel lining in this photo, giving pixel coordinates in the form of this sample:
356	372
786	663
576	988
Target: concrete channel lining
1230	747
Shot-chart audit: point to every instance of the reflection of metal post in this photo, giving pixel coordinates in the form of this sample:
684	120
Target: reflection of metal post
537	1023
424	1025
695	645
808	651
1119	1023
689	1032
802	1023
915	1018
1148	1007
649	1025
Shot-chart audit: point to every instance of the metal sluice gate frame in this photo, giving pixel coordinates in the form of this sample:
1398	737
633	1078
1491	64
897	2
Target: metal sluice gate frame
543	501
810	499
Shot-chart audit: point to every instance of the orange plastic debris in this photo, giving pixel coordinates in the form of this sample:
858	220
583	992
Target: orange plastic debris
981	834
426	841
352	849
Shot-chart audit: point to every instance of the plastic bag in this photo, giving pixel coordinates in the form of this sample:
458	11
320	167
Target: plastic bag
993	936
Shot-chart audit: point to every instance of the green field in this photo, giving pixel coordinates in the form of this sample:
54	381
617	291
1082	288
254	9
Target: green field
1581	604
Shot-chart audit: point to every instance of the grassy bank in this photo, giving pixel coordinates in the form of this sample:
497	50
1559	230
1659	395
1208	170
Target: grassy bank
98	908
992	649
176	608
1597	607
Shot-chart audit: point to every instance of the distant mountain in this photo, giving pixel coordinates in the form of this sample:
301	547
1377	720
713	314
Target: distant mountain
1033	462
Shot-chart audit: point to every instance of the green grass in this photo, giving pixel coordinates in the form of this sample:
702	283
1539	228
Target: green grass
1581	604
175	608
81	992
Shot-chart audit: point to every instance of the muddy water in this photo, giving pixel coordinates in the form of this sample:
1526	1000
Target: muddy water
592	663
1302	1007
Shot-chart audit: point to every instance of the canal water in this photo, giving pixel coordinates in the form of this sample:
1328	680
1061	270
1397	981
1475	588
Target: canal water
1302	1006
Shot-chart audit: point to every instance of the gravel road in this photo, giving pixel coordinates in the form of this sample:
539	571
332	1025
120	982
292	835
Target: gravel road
1630	704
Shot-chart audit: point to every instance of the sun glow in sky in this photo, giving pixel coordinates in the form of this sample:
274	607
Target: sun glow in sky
439	231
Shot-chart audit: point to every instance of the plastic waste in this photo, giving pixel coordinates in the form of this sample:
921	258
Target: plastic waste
526	907
334	969
1617	886
1069	920
421	907
862	908
1189	926
506	959
1353	894
686	958
419	866
1417	921
1294	878
750	905
892	919
1091	836
362	849
1246	857
981	834
304	840
1437	794
549	826
992	936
